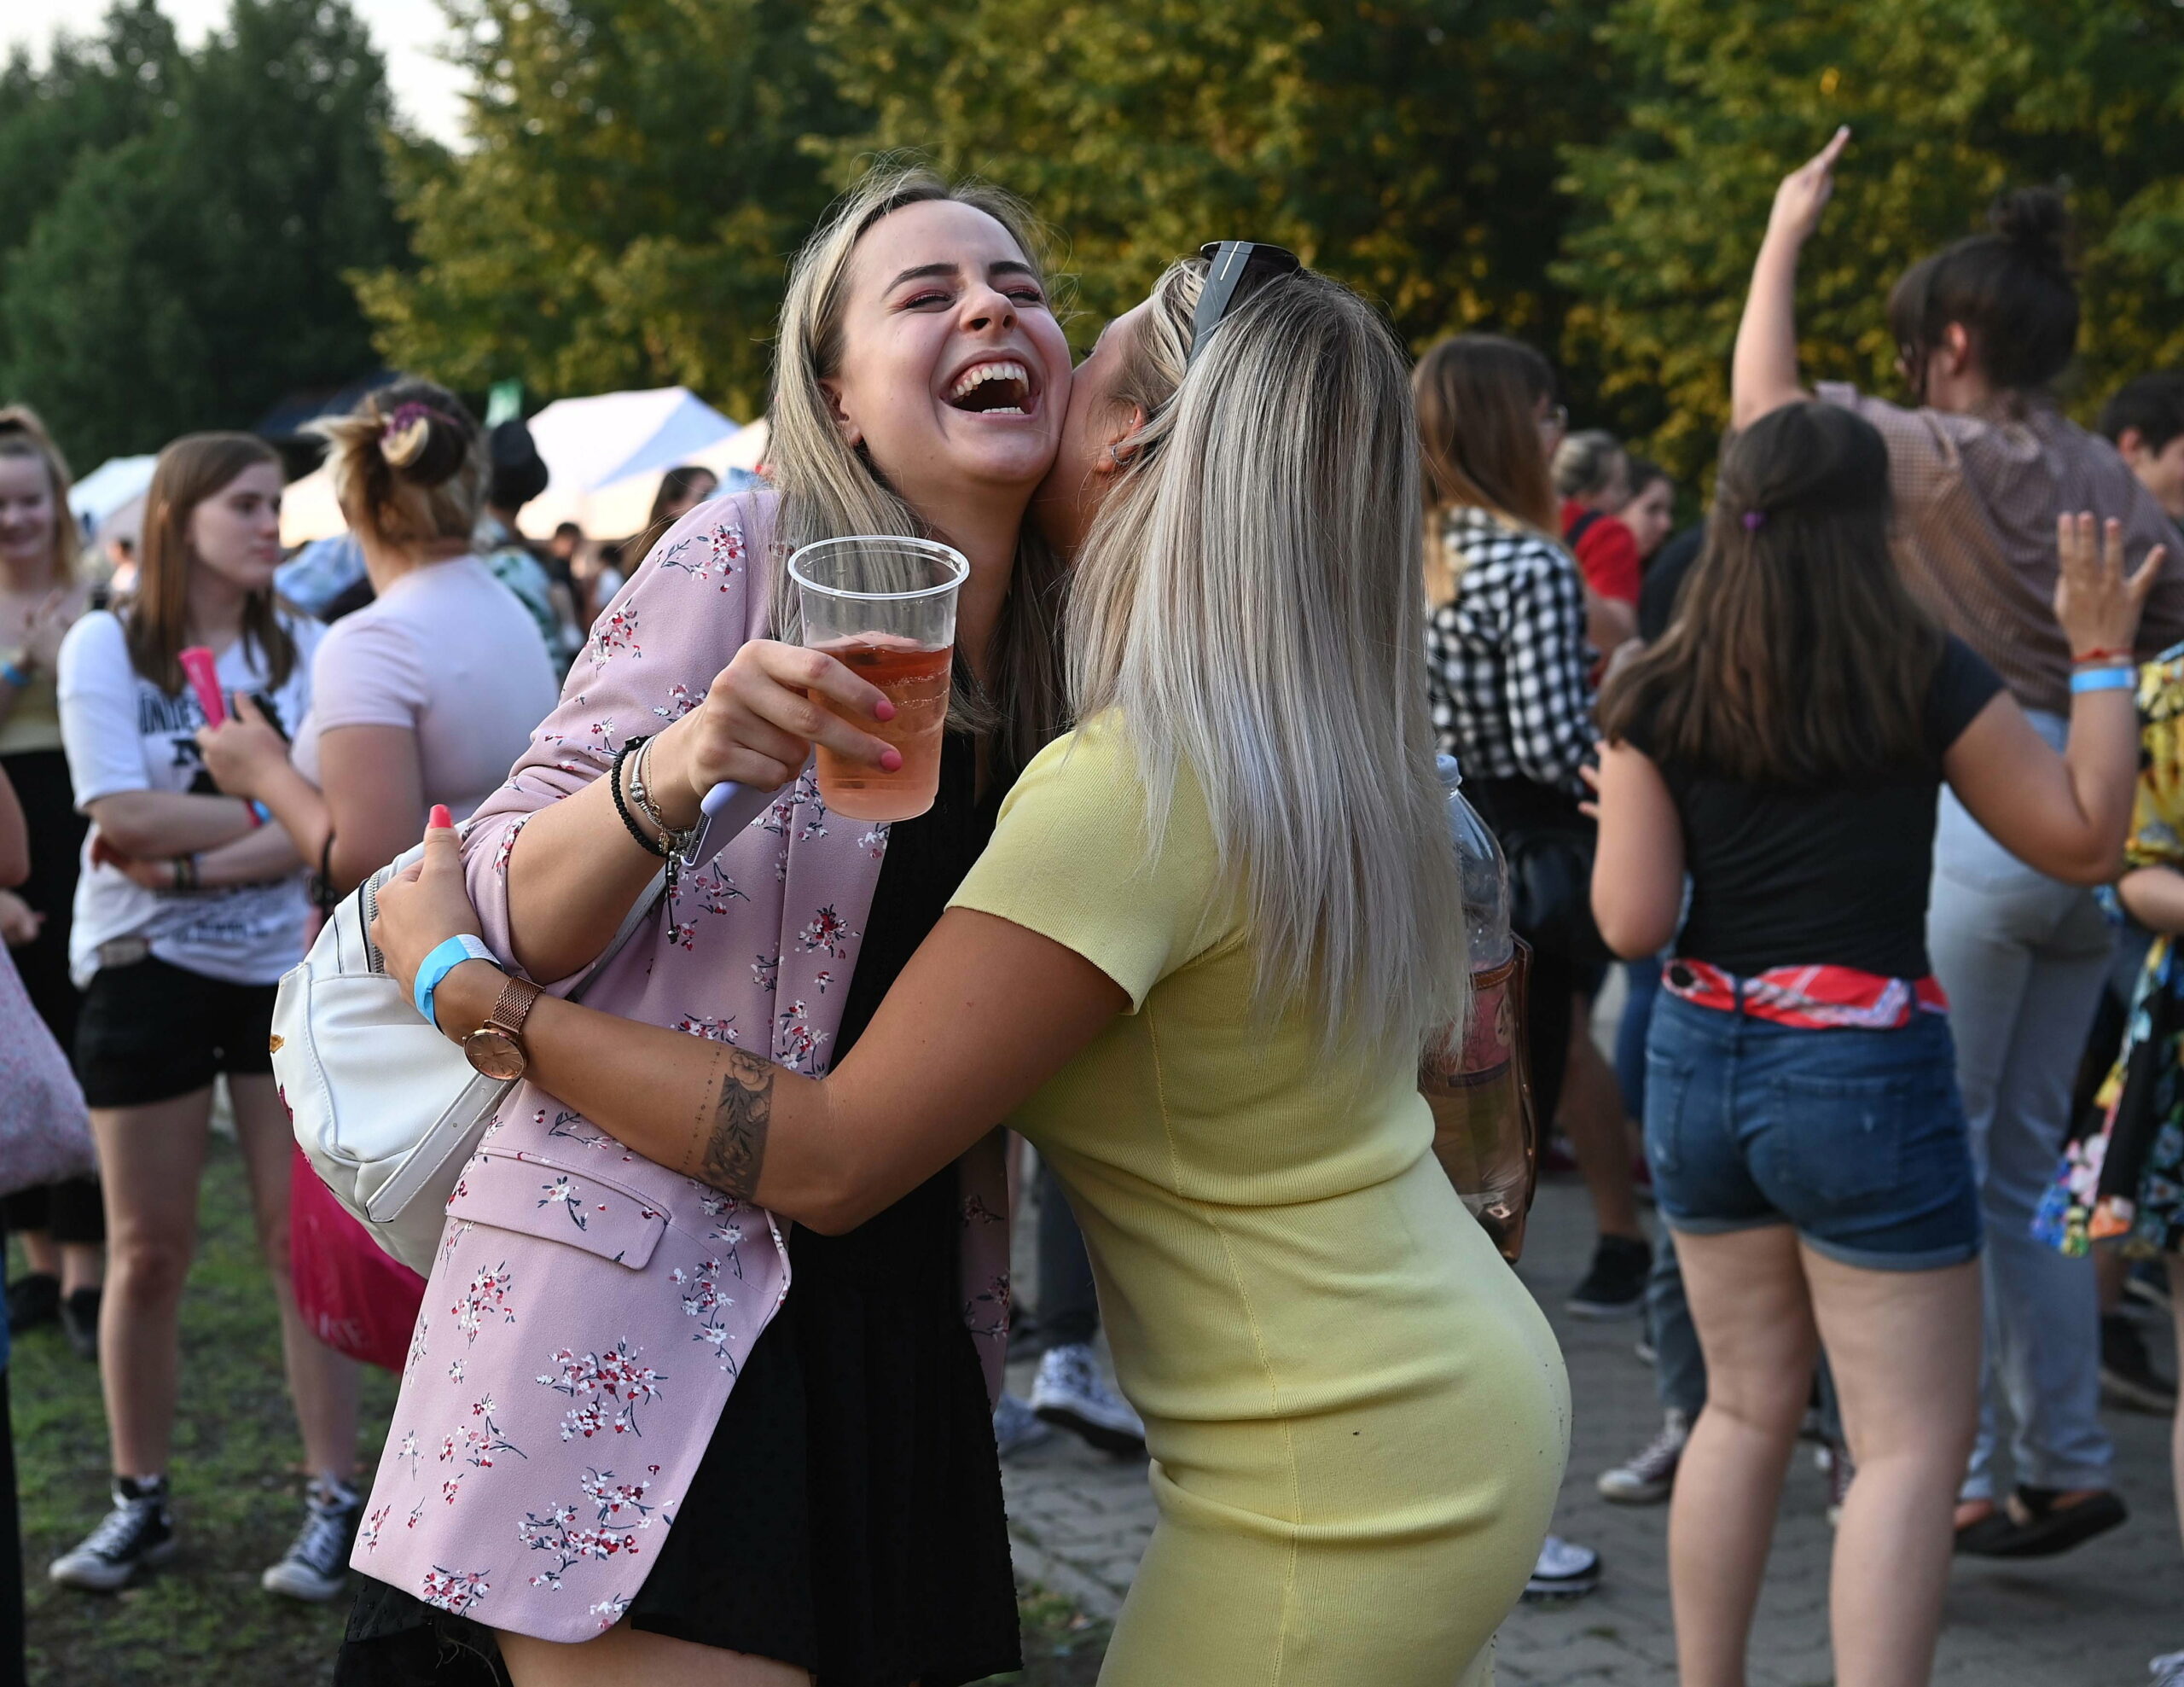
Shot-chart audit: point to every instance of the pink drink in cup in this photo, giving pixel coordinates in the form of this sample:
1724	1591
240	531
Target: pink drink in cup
885	608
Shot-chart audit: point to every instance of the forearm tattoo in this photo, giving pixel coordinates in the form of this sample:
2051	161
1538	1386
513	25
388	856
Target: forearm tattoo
734	1151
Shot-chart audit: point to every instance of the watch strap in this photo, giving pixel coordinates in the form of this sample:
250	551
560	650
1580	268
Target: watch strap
513	1006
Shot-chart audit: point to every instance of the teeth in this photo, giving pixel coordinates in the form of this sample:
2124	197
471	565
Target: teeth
976	377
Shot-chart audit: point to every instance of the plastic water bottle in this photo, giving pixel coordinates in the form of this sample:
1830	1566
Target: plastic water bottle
1475	1082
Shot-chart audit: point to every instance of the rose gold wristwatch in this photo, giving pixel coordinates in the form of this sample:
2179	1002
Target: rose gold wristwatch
496	1048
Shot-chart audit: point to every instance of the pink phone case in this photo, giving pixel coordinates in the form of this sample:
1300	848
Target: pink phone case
205	681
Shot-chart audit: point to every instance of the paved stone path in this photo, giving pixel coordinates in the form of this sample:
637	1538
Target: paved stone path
2092	1618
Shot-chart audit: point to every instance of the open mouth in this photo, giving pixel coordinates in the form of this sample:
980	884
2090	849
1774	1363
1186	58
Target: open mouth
1001	387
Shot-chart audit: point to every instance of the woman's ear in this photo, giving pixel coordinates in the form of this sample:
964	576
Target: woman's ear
1115	456
852	435
1956	348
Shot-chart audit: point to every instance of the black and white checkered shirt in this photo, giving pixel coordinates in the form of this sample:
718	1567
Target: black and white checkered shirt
1507	667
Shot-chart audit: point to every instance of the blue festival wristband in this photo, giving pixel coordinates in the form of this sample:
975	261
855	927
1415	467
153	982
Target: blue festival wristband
439	963
2104	679
265	814
16	675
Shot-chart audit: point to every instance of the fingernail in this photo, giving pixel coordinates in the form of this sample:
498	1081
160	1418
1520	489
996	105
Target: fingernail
439	816
890	761
883	710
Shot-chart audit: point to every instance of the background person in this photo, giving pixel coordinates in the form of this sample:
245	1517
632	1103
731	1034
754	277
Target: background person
426	695
1980	471
2145	421
1592	478
1784	744
1508	667
519	476
1650	514
42	595
189	909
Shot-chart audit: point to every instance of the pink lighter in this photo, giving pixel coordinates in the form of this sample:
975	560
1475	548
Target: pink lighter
205	681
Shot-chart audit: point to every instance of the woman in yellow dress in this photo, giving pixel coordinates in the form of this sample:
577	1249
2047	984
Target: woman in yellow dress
1195	966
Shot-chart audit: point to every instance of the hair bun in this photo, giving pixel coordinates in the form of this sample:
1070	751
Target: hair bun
2036	222
424	445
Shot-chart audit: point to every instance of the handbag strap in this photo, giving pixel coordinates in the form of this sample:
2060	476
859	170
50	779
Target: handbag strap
640	911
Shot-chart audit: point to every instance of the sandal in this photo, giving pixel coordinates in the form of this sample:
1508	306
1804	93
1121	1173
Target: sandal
2036	1525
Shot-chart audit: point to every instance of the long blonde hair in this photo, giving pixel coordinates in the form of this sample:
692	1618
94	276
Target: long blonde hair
22	434
1248	599
829	489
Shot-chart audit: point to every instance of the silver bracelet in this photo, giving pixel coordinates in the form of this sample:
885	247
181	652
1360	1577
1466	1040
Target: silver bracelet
678	842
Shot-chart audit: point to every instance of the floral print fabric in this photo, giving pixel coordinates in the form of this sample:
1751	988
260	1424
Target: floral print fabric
589	1309
2123	1180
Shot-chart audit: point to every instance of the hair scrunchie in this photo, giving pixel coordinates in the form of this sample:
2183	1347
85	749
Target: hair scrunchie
404	434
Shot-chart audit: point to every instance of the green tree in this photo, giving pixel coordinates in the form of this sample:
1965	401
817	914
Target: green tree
639	175
1949	102
190	274
1407	146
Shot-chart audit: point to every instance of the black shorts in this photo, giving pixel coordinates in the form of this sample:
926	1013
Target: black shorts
149	1032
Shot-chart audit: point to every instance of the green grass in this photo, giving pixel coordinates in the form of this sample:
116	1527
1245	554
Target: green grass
238	1493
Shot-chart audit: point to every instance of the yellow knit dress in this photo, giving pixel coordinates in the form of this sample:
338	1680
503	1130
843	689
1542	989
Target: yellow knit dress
1357	1416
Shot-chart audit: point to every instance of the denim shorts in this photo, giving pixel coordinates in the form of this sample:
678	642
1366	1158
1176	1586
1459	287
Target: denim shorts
1857	1139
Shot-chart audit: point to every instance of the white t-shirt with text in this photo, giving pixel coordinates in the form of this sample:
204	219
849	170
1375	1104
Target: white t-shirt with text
122	733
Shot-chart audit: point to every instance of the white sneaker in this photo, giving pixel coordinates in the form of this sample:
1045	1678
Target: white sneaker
1015	1427
1564	1570
317	1564
137	1534
2167	1670
1648	1476
1072	1394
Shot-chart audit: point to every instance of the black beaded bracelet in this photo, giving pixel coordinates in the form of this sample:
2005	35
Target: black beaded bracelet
621	803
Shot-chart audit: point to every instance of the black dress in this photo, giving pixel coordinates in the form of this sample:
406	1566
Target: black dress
856	1448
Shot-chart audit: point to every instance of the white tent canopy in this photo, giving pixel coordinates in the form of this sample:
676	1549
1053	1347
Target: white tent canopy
99	494
604	457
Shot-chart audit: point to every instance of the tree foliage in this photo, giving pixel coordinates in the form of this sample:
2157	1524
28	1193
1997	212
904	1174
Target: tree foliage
1408	147
642	169
181	238
1950	101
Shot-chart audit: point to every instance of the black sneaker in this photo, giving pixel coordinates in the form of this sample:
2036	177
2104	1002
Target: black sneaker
33	1299
80	1322
2128	1377
1615	1288
315	1565
137	1533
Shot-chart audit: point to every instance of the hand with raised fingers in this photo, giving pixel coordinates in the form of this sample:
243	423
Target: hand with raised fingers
758	724
1805	191
2096	602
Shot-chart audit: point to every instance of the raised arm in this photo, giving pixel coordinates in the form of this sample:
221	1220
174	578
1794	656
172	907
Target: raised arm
1764	369
984	1014
2066	815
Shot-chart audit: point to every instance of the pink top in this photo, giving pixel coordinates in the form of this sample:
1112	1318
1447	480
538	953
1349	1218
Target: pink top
452	654
589	1310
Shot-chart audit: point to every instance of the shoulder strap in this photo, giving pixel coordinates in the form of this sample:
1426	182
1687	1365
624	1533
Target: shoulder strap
640	911
1580	528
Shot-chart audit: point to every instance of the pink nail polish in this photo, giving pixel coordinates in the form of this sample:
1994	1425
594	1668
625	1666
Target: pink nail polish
439	816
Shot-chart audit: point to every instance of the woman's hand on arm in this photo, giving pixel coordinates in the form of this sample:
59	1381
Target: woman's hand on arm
1638	863
985	1012
150	824
2154	897
1764	368
2066	815
575	870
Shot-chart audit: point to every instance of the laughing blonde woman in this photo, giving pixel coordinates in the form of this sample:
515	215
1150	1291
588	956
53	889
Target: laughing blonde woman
1196	965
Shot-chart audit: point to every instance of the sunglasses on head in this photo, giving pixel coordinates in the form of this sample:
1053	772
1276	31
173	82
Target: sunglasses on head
1240	268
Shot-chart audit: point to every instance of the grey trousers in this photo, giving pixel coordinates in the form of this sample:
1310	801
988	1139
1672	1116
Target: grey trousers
2024	958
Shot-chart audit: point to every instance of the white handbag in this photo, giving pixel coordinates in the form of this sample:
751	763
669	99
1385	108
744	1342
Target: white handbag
386	1109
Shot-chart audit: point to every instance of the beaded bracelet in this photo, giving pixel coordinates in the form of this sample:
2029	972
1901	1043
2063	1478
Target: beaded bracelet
621	803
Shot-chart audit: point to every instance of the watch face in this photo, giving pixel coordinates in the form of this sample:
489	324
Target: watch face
494	1053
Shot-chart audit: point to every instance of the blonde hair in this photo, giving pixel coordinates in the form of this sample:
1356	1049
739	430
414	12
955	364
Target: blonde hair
22	434
409	466
830	490
1248	599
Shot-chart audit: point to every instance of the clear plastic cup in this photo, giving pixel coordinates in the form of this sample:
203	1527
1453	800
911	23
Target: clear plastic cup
885	608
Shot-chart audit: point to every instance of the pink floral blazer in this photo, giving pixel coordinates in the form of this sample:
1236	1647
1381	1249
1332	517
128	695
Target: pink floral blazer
589	1310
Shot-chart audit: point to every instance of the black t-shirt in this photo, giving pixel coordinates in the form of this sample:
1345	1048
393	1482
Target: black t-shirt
1664	578
1835	875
